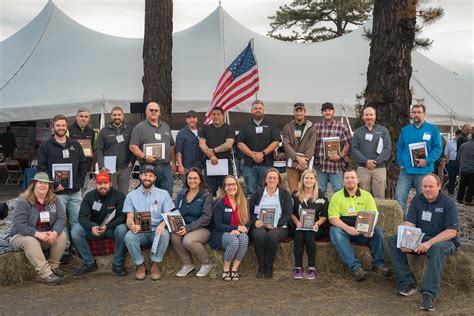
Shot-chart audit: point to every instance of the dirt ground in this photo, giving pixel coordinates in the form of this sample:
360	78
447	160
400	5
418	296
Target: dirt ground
102	293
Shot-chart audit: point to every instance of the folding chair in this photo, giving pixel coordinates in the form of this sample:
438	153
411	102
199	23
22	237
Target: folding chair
15	174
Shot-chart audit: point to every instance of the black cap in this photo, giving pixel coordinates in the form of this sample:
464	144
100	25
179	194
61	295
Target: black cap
147	168
326	106
191	113
299	105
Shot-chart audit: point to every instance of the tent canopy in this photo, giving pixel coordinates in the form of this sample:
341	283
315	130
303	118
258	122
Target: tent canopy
55	65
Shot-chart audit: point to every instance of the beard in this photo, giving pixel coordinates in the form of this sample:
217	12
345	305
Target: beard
59	133
118	122
147	184
103	191
258	116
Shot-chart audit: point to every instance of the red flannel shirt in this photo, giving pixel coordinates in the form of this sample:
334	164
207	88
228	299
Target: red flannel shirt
331	129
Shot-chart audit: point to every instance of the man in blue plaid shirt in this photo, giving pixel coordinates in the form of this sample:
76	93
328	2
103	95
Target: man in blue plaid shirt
329	164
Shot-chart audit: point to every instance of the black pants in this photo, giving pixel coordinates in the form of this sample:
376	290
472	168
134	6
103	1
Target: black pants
453	169
265	242
214	183
305	238
466	182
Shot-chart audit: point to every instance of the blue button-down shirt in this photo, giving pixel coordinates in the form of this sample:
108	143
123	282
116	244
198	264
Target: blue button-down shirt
451	149
157	201
187	143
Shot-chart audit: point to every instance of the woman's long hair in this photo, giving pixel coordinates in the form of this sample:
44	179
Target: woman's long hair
202	185
30	196
301	192
242	206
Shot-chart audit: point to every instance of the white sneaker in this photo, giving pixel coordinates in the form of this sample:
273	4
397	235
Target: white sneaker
184	271
204	270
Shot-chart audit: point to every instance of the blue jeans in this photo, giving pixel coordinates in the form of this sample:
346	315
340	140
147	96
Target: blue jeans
71	204
325	177
437	255
80	237
164	178
405	183
134	241
342	242
254	178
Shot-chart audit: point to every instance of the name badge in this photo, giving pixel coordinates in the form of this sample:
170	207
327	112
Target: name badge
154	208
297	133
426	216
426	136
259	130
351	211
120	139
369	137
228	210
256	211
44	217
157	136
96	206
65	153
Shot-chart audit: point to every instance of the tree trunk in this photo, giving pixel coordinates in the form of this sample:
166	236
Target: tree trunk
157	55
389	71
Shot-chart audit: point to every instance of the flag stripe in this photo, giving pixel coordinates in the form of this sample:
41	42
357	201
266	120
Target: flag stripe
235	84
248	85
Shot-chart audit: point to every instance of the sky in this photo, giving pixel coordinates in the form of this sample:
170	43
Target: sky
453	34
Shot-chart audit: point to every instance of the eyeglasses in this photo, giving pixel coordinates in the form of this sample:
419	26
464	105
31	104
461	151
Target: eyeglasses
230	184
417	112
153	110
193	178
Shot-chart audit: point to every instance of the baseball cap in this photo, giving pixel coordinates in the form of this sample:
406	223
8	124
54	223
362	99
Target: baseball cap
326	106
191	113
102	177
147	168
299	105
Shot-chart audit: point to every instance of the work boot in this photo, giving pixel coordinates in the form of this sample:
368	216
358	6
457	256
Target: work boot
51	279
382	270
119	270
359	273
86	268
140	272
58	272
155	272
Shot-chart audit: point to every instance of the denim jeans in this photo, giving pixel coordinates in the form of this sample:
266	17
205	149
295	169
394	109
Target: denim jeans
405	183
437	255
164	178
253	178
71	204
80	236
325	177
342	242
134	241
453	169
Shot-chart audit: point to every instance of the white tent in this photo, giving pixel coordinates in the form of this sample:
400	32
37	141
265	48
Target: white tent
55	65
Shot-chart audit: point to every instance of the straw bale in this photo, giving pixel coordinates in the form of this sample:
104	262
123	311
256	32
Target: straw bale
15	268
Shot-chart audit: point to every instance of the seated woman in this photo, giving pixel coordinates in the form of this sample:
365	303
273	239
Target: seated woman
38	223
308	198
269	230
195	205
231	224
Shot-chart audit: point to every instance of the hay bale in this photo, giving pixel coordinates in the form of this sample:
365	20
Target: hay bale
390	215
15	268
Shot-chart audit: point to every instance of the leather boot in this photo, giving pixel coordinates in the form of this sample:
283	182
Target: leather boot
140	273
155	272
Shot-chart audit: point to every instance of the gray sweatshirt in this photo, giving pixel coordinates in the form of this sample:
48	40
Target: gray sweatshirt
365	143
466	157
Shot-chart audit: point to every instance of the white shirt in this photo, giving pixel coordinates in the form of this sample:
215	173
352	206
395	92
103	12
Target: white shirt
451	149
273	200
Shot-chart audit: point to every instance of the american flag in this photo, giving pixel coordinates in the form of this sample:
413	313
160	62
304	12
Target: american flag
238	83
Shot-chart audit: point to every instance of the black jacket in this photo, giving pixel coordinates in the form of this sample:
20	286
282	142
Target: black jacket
89	217
51	152
107	145
286	203
76	132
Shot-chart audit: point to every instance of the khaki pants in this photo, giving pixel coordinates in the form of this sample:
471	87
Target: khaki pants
191	244
33	249
373	181
293	177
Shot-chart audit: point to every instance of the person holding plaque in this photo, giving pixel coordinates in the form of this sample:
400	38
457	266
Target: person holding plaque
231	225
267	235
101	217
195	206
343	209
413	168
149	202
152	143
437	216
333	142
308	199
38	223
216	142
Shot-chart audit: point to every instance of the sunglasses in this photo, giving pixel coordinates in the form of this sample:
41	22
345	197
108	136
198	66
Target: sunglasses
153	110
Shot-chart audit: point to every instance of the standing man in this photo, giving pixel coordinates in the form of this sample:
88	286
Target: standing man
101	217
329	164
466	167
464	137
156	132
437	216
9	143
371	149
216	142
411	174
113	142
452	165
188	153
299	140
257	140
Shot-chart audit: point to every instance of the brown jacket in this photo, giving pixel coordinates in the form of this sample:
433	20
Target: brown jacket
304	145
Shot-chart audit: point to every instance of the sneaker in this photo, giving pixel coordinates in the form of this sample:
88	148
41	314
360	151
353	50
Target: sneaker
359	273
204	270
297	274
51	279
311	275
119	270
184	271
427	303
407	289
86	268
58	272
382	270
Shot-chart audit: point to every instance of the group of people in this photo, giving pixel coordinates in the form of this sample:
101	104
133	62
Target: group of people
234	217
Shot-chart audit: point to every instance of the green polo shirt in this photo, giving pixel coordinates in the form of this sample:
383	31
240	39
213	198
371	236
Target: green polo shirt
342	204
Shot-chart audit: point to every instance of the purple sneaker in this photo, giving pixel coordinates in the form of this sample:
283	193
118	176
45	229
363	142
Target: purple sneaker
297	274
311	275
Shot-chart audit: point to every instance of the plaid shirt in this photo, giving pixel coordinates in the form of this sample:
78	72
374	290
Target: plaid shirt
331	129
